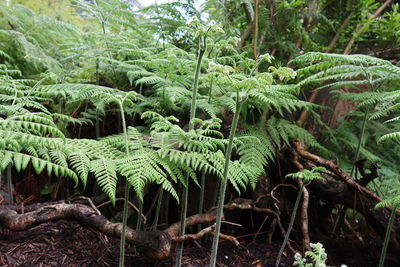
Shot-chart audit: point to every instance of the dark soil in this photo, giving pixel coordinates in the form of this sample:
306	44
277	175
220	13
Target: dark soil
66	243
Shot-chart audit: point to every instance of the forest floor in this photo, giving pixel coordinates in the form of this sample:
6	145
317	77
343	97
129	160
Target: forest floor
66	243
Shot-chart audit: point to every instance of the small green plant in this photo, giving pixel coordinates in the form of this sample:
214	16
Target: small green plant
392	202
304	176
317	256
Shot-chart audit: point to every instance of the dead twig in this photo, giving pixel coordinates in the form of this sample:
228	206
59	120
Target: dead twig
130	204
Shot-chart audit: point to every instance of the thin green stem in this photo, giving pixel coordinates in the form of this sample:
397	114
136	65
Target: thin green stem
9	184
201	198
126	194
357	155
202	50
124	222
224	182
80	126
342	211
139	220
9	177
158	208
387	237
166	209
210	91
184	200
97	72
97	124
211	82
290	227
215	194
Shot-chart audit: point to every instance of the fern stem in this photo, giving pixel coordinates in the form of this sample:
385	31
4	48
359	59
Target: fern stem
126	194
210	90
97	125
342	210
201	199
80	126
97	72
158	208
183	222
215	194
387	237
212	80
357	155
224	183
202	49
9	184
139	220
290	227
166	209
124	222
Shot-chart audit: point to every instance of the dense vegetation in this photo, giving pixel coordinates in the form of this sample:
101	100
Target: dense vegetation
169	106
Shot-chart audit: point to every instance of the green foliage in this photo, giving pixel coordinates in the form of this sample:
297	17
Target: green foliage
371	84
307	175
58	82
317	256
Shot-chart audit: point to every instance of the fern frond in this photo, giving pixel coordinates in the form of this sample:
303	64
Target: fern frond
105	173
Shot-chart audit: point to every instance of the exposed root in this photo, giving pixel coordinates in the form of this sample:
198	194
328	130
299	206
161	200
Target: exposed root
335	169
153	244
304	205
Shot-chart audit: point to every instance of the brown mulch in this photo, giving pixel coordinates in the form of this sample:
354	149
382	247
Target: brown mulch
67	243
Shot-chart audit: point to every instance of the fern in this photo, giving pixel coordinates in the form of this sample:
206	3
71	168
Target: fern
317	256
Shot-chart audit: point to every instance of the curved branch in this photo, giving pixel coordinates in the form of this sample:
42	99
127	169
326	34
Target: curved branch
335	169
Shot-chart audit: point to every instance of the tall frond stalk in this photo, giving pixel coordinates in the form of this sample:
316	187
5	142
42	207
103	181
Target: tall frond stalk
255	38
139	219
183	222
387	237
342	211
224	182
9	184
97	125
126	193
97	74
202	50
357	155
212	81
80	126
166	209
210	91
201	198
290	227
158	209
215	194
124	222
184	201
